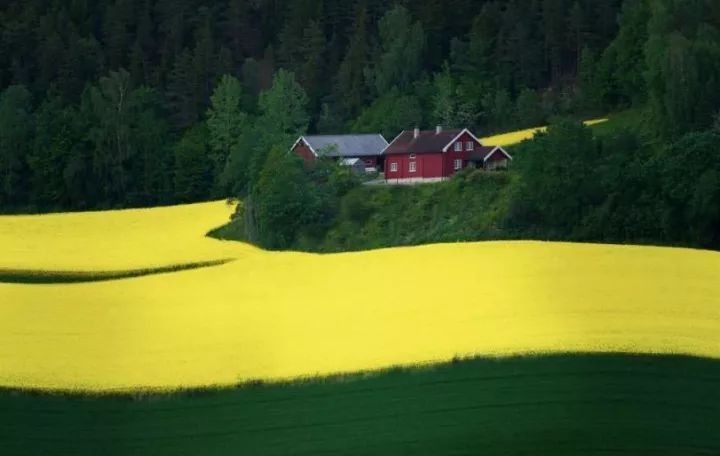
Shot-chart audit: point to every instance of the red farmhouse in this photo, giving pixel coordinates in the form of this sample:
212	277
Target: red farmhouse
435	155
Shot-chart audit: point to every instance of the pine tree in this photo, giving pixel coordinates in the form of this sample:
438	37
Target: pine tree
204	61
193	175
16	125
350	89
182	91
402	43
226	121
313	69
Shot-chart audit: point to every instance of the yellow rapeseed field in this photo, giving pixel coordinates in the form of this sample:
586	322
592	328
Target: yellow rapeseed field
114	240
283	314
508	139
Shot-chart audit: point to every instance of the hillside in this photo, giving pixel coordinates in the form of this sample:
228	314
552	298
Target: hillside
605	182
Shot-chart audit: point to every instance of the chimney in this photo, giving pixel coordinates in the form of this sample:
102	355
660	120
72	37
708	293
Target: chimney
416	133
438	129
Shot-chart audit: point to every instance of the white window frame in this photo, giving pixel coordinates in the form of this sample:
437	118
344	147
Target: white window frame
412	156
470	146
412	167
458	146
393	167
457	164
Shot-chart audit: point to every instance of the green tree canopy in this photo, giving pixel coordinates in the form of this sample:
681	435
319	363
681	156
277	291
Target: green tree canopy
225	120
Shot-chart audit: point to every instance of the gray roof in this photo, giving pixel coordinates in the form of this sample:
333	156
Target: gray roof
347	145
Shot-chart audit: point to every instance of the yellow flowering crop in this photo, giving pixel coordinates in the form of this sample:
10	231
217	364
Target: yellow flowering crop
508	139
281	315
114	240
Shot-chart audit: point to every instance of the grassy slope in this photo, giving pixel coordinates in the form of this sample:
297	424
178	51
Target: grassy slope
558	405
463	209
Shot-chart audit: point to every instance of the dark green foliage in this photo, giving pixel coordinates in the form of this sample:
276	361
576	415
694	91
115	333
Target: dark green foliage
689	171
400	52
363	65
364	217
390	114
621	71
561	171
193	175
282	200
292	203
16	129
128	138
555	405
683	66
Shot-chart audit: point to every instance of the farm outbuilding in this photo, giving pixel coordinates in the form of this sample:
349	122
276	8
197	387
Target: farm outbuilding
367	148
355	164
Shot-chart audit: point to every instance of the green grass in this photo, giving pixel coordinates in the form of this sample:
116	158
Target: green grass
46	277
553	405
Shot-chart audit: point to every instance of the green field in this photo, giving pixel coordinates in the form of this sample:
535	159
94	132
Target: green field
551	405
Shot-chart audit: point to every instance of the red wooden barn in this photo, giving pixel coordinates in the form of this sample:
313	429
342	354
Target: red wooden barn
435	155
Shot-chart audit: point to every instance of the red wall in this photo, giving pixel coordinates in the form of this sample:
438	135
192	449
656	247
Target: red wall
450	156
370	162
304	151
432	165
426	166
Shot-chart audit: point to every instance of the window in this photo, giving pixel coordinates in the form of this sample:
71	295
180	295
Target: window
412	156
412	167
469	145
458	164
393	167
458	147
369	163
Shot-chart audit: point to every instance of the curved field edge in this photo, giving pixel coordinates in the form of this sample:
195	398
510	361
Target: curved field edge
410	369
115	240
558	404
32	277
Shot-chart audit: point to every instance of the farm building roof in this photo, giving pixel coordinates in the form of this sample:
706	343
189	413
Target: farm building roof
346	145
427	141
483	153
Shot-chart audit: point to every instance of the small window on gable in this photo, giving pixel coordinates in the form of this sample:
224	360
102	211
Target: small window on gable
469	145
458	146
412	167
393	167
458	164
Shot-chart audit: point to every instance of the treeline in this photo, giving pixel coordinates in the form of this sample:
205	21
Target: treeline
109	103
